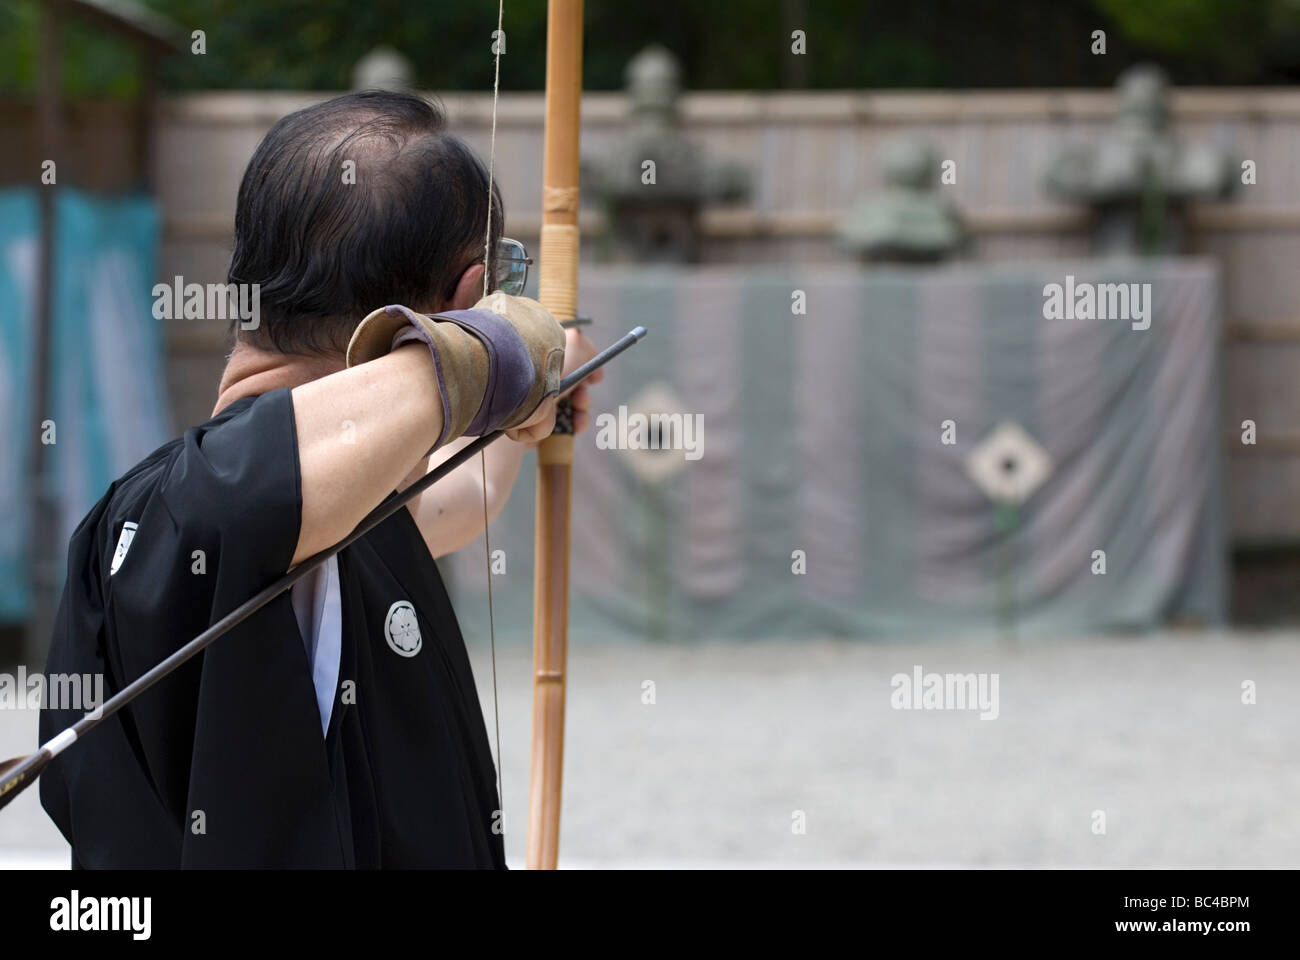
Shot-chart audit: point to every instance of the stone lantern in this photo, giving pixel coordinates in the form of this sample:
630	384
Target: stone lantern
908	220
654	184
1137	177
383	68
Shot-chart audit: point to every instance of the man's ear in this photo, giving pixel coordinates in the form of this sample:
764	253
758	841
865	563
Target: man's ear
469	288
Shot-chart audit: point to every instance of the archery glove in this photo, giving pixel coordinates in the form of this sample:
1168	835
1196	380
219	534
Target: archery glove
495	362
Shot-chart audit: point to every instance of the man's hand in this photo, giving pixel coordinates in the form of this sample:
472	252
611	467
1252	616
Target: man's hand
537	427
578	350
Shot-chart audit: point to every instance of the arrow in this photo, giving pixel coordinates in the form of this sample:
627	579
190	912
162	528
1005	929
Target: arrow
21	772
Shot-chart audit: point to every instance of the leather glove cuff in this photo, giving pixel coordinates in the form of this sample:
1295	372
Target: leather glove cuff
487	379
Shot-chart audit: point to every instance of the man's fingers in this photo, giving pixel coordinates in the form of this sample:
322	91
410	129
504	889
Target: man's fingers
578	350
537	427
534	434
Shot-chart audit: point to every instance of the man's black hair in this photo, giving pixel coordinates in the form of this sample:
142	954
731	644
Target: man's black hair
326	251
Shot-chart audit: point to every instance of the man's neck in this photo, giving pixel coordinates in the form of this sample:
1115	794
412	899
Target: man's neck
251	371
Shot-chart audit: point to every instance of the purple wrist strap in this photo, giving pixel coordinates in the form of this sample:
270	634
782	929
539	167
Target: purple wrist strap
510	369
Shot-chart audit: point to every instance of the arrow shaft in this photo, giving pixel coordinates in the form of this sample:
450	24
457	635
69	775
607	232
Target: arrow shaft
21	775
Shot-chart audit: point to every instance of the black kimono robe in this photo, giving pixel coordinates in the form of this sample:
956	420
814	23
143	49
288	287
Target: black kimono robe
223	764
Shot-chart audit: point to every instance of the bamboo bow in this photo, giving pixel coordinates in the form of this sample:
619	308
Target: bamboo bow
558	292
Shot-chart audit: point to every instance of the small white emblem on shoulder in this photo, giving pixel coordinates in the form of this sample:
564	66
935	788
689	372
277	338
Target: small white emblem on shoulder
123	545
402	630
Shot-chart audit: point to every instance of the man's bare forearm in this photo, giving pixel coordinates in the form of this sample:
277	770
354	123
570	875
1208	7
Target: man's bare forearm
450	515
360	431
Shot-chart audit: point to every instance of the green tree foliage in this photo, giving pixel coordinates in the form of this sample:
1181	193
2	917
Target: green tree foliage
723	44
1239	41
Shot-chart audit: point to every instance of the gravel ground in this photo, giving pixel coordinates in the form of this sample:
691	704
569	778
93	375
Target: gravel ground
742	737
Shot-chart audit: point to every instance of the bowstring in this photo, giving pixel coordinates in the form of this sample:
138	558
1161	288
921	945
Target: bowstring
482	457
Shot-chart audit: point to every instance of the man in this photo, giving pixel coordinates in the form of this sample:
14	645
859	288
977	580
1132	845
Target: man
339	726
